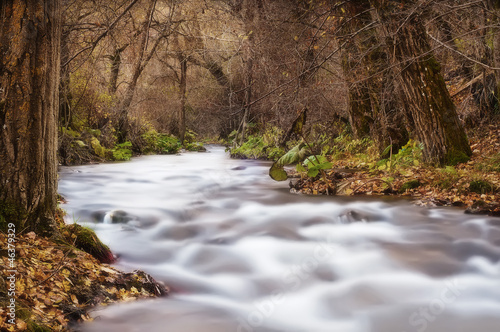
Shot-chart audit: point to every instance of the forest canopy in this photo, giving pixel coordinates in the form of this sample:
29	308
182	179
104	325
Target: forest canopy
381	69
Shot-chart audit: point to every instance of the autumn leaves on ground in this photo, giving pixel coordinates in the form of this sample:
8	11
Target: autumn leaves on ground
56	283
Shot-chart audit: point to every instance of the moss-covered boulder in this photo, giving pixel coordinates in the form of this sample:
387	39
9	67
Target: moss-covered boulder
85	239
412	184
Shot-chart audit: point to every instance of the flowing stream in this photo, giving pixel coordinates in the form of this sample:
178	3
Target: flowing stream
240	253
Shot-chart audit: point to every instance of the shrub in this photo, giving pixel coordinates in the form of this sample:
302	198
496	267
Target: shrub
409	155
198	147
167	144
265	146
122	151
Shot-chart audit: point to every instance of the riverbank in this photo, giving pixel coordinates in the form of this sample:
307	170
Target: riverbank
473	185
91	146
357	169
51	285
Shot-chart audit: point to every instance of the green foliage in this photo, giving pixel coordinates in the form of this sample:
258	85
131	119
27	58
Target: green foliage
93	132
412	184
160	143
123	151
196	146
98	148
296	155
253	148
316	163
344	145
167	144
278	173
264	146
80	143
70	132
190	137
481	187
409	155
150	138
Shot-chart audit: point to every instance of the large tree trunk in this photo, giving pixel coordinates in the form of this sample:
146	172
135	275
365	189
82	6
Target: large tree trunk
30	34
424	91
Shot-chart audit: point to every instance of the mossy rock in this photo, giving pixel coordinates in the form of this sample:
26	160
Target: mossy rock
481	187
197	147
98	148
456	157
412	184
10	213
85	239
71	133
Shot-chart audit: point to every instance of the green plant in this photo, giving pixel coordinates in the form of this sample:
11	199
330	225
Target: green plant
252	148
98	148
122	151
196	146
265	146
481	187
447	177
409	155
296	155
167	144
150	138
190	136
314	165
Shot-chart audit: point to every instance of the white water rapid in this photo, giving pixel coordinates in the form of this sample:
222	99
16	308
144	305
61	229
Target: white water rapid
241	254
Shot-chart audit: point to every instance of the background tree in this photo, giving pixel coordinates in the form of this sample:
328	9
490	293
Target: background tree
374	109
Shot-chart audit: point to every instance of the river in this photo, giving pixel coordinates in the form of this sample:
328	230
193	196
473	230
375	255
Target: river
241	254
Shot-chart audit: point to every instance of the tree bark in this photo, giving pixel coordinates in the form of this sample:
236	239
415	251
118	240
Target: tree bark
373	106
248	88
116	62
139	65
359	105
183	97
424	91
30	34
65	118
495	6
